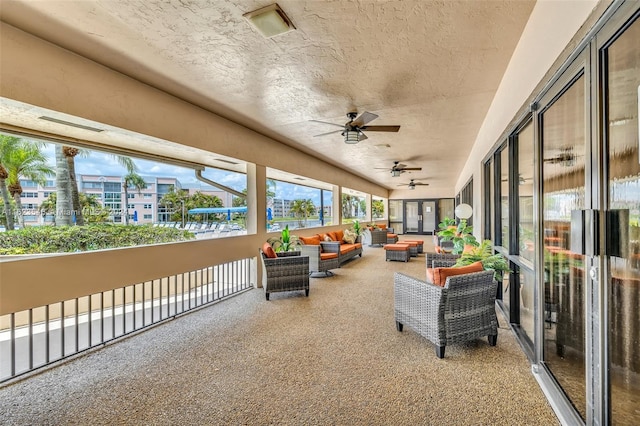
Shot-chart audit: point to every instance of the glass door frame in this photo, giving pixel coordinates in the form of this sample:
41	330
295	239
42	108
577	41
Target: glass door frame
579	67
420	202
605	38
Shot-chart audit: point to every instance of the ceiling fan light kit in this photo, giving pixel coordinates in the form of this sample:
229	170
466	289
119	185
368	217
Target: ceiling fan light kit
353	129
351	136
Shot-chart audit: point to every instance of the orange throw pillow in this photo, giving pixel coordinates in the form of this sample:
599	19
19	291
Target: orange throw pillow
339	235
311	241
440	274
438	249
333	236
268	251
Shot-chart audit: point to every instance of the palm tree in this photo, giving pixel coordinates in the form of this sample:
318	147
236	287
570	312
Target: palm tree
29	162
8	144
303	208
70	153
70	201
134	180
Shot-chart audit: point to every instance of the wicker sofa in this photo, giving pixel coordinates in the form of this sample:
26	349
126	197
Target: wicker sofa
289	271
464	309
331	242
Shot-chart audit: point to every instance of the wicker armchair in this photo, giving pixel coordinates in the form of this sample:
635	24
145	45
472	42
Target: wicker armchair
442	258
288	272
321	262
464	309
378	237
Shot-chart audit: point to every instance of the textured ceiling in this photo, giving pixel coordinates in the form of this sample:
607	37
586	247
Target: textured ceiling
430	66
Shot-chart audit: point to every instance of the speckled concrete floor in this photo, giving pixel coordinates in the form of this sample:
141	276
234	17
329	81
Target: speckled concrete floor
334	358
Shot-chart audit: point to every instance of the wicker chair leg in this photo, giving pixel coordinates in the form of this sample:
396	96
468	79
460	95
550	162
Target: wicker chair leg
493	340
267	295
306	292
399	326
440	351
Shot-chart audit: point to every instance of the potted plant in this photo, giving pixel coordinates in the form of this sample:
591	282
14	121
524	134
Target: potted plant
461	235
357	230
490	261
285	242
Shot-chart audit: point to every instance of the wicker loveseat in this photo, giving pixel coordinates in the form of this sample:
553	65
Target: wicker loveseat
289	271
333	242
464	309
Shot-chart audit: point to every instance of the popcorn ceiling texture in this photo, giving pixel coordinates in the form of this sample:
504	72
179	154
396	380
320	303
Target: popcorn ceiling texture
332	358
431	66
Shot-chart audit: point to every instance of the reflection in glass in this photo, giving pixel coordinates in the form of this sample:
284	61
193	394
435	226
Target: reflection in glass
525	192
411	216
623	81
492	197
526	302
563	153
504	197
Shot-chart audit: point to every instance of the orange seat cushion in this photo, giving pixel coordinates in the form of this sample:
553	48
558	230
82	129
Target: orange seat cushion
418	242
326	256
396	247
358	245
346	248
268	251
311	241
392	235
410	243
439	275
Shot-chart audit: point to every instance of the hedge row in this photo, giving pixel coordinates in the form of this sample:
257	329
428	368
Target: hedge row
66	239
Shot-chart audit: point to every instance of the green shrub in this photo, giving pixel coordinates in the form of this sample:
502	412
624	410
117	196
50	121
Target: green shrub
66	239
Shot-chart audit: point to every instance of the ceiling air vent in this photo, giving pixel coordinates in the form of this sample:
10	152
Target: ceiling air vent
68	123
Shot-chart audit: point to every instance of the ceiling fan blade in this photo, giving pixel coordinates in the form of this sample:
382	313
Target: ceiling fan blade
412	168
364	118
399	166
362	137
328	133
380	128
325	122
418	183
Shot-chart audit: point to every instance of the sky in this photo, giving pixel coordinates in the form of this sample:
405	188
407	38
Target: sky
101	164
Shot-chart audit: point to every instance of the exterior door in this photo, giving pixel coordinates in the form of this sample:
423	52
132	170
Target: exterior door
620	78
419	217
565	163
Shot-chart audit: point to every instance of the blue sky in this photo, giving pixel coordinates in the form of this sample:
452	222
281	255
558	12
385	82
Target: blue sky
97	163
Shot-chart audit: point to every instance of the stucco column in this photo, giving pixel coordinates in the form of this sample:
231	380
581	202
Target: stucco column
256	209
337	205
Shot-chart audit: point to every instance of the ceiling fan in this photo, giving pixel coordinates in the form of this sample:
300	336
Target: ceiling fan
398	169
412	184
354	128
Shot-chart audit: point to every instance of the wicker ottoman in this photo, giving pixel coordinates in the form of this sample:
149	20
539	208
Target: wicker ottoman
413	247
397	252
392	238
420	244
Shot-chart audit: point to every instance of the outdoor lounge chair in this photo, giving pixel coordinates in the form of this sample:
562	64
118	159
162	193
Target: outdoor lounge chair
464	309
289	271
